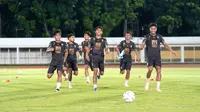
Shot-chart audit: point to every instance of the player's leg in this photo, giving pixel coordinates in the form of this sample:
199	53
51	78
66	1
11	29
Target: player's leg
128	69
95	70
70	74
122	66
87	71
90	62
100	65
51	71
158	74
75	68
150	65
65	68
59	78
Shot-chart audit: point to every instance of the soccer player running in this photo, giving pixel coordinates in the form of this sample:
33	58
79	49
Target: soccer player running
72	53
152	42
85	46
98	44
58	49
124	50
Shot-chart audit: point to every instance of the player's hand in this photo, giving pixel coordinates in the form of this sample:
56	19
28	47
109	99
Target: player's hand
80	57
137	60
141	47
122	53
50	49
107	52
173	53
87	58
119	57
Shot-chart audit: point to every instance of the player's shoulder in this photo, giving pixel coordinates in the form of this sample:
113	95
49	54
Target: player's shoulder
159	35
123	41
75	43
132	42
63	42
104	39
147	35
52	41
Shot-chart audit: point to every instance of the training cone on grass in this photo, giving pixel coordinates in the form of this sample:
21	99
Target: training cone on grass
139	77
8	81
17	77
3	81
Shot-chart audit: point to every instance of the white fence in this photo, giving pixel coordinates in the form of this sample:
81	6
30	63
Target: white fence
32	50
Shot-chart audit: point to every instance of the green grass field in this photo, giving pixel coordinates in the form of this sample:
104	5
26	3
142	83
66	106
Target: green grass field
33	92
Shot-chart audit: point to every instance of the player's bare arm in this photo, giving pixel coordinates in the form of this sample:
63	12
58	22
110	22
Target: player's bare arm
66	55
169	48
117	50
143	44
137	55
87	52
106	47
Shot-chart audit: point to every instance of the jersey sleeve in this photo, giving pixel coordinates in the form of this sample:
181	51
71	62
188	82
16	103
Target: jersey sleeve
162	39
144	39
133	46
67	46
50	44
91	43
105	43
120	45
78	49
82	45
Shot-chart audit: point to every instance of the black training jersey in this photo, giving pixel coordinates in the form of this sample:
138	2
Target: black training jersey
153	44
84	45
98	46
72	49
127	47
59	50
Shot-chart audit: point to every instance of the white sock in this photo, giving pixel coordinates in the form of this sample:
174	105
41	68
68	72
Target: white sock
87	78
70	82
158	85
58	85
126	82
95	85
147	81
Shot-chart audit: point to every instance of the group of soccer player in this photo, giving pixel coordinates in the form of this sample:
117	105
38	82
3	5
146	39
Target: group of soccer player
65	56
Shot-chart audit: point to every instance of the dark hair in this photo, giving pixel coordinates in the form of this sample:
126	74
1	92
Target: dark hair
57	31
69	35
153	24
88	33
129	32
99	27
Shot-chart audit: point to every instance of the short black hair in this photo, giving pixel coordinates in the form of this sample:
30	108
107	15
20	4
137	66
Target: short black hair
56	31
88	33
99	27
129	32
69	35
153	24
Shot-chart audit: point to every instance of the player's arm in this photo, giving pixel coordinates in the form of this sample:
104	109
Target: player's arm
66	53
106	47
136	52
118	48
82	47
78	52
167	46
87	52
143	43
50	48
